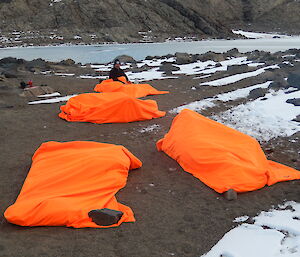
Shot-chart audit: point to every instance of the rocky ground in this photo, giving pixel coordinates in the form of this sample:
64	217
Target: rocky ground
176	214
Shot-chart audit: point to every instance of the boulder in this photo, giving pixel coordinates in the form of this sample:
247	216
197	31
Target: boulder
10	65
126	59
284	65
168	68
9	60
105	217
145	67
254	55
294	80
183	58
257	93
270	59
212	56
276	85
47	89
36	65
234	69
68	62
37	91
10	74
195	57
168	56
149	57
234	52
294	101
267	75
292	51
297	119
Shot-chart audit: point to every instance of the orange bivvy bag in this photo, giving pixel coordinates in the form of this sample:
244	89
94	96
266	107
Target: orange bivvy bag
134	90
68	180
221	157
109	108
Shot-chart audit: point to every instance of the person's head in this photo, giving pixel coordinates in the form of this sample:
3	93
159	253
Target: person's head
117	64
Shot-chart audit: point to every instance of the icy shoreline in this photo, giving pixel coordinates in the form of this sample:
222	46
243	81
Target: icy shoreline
105	52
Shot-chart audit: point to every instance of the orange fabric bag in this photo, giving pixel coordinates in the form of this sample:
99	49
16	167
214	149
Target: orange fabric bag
68	180
221	157
134	90
109	108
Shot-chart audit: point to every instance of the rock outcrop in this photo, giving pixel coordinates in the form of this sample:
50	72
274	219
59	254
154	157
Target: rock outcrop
149	20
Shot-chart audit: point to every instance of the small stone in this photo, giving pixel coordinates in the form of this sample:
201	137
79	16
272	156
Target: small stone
105	217
230	195
269	150
5	106
144	191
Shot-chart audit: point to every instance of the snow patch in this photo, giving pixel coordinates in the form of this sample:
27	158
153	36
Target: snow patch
64	74
246	240
196	106
258	35
288	55
225	97
208	67
150	128
237	77
241	219
240	93
53	100
148	75
92	77
264	118
49	95
202	77
155	62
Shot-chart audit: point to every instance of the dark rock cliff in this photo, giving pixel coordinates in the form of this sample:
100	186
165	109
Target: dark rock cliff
132	20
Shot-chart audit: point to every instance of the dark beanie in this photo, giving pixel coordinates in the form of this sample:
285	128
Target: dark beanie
117	61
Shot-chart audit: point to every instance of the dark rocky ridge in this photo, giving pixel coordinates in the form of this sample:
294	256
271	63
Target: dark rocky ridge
121	21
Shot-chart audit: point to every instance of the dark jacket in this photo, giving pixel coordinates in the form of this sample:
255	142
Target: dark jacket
116	73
